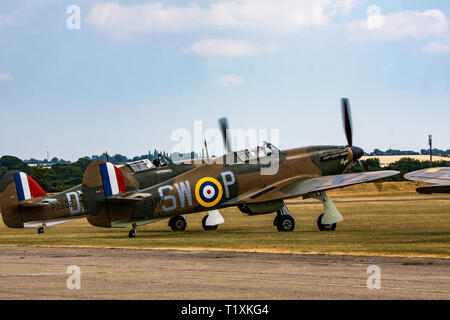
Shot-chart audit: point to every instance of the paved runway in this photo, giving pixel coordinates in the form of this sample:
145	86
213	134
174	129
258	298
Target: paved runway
40	273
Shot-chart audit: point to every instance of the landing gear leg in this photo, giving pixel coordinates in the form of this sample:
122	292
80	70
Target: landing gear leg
327	220
132	233
284	221
41	229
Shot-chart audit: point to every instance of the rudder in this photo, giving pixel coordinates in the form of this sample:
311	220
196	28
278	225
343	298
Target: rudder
15	187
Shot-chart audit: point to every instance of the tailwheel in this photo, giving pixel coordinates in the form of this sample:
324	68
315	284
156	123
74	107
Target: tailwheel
178	223
325	227
205	227
132	233
40	229
285	223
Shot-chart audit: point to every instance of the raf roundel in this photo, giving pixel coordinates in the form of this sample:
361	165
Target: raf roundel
208	192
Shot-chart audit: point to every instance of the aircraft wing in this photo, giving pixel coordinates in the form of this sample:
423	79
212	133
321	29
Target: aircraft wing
37	202
439	175
324	183
303	186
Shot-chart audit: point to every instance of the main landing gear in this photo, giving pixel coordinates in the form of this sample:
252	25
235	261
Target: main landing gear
325	227
178	223
284	221
327	220
205	227
132	233
212	220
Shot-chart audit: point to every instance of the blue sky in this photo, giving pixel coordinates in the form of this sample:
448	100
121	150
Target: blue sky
138	70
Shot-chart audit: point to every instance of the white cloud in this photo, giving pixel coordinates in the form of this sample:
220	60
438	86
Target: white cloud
255	15
405	24
270	15
228	47
343	6
149	17
437	46
228	80
5	77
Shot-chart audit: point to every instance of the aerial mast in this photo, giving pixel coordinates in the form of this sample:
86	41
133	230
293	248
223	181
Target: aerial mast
430	140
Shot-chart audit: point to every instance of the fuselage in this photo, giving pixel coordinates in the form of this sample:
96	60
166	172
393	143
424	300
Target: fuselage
231	180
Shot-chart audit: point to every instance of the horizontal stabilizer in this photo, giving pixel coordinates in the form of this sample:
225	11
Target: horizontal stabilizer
37	202
47	223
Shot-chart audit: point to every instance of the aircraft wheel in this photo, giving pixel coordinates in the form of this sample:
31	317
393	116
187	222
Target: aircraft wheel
205	227
285	223
40	230
178	223
325	227
132	233
275	221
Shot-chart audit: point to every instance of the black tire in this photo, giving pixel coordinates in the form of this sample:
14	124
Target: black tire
40	230
178	223
132	234
325	227
285	223
205	227
275	221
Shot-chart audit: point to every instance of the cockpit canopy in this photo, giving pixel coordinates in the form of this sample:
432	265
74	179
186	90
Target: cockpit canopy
140	165
255	153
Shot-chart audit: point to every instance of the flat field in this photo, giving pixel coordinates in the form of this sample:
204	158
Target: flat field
416	226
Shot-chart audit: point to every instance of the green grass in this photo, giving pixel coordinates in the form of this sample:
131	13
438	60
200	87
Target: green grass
417	228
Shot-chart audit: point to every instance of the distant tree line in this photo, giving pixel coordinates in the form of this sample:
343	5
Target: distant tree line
116	158
64	174
392	152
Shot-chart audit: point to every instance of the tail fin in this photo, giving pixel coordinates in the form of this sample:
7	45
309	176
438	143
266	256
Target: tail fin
102	180
16	187
112	179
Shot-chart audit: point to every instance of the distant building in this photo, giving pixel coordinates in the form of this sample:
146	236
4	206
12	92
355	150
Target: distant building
40	165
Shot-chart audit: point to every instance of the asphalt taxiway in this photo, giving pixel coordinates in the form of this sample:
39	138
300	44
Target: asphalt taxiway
40	273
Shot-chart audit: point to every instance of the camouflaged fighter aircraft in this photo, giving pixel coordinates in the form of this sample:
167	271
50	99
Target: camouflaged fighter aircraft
256	181
440	176
24	204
